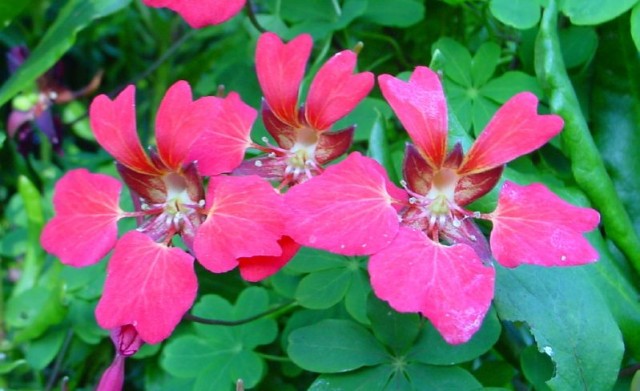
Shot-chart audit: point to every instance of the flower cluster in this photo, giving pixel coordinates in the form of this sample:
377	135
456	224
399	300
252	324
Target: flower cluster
427	253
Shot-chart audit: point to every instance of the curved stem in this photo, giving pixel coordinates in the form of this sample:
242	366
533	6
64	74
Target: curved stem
252	17
217	322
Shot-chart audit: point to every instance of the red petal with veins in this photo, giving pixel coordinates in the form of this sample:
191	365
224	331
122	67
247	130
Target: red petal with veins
280	68
350	209
416	171
203	12
448	285
531	225
221	146
244	220
85	226
179	122
284	134
473	186
421	107
148	285
331	145
258	268
270	168
335	90
515	130
150	187
114	124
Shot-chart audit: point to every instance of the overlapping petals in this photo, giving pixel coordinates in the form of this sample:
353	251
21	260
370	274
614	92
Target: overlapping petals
203	12
243	220
85	227
148	285
224	136
349	209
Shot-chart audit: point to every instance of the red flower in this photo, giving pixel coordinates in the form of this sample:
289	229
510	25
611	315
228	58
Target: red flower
427	254
305	142
201	13
151	284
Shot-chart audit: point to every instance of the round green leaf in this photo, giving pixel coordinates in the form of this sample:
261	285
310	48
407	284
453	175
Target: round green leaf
393	329
578	45
484	63
427	377
431	348
396	13
323	289
456	61
365	379
309	260
334	345
355	300
521	14
590	12
510	83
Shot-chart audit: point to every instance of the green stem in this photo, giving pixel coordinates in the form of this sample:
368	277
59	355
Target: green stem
587	165
216	322
252	17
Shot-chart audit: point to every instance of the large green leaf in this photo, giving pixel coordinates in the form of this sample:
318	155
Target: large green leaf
323	289
334	345
569	320
615	111
397	13
427	377
75	16
431	348
521	14
395	330
589	12
635	25
365	379
218	355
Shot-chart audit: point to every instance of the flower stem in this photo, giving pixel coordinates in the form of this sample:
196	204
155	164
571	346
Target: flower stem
216	322
252	17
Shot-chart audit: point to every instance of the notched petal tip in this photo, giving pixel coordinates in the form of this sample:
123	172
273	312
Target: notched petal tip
532	225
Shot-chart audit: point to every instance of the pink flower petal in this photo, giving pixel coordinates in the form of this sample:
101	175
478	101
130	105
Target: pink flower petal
221	146
149	286
515	130
421	107
244	220
335	90
531	225
258	268
350	209
448	285
85	227
280	68
201	13
114	124
179	122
